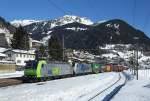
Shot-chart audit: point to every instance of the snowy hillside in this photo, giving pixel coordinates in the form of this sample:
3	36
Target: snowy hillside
17	23
70	19
135	90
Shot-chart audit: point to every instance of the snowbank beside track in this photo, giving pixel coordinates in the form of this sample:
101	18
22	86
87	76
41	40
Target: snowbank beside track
10	75
109	90
68	89
135	90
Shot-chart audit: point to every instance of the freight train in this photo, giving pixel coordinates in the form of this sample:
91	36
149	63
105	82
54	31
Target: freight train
42	70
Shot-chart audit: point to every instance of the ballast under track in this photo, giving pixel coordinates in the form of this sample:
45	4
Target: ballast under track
10	81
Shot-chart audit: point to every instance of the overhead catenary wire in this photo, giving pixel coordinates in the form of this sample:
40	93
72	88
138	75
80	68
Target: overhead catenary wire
59	8
62	10
134	11
65	12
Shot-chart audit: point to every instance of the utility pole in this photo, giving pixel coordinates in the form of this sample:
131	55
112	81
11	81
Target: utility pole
136	63
132	62
137	60
63	46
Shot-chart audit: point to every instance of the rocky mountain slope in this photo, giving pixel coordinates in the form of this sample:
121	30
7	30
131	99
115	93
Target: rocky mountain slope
110	32
83	33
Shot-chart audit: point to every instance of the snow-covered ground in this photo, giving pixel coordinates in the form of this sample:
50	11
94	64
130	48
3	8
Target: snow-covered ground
81	88
136	90
69	89
13	74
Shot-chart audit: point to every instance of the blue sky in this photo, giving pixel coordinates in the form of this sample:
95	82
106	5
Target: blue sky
96	10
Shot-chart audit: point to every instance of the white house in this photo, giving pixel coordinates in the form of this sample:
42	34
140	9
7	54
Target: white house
19	56
35	44
2	55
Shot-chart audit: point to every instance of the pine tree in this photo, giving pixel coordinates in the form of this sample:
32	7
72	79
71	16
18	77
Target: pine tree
20	39
55	48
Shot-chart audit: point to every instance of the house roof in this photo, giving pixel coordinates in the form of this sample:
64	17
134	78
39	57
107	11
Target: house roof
22	51
37	41
4	61
2	49
2	55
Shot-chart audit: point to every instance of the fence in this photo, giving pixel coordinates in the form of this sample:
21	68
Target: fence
144	73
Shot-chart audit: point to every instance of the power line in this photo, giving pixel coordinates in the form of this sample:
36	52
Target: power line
65	12
134	11
59	8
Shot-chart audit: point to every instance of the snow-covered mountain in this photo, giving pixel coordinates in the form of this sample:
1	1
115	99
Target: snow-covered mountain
81	29
81	32
40	29
70	19
56	22
17	23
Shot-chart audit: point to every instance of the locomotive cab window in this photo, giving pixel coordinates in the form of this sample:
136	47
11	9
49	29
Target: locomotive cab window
31	65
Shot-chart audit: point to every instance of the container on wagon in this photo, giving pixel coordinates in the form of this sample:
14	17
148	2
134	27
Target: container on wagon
97	68
108	68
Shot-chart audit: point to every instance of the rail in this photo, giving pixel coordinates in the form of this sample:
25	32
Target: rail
113	93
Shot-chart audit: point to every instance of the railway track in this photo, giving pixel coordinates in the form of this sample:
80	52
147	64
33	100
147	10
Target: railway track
10	81
113	93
